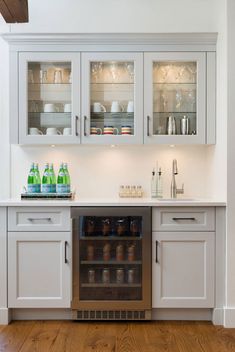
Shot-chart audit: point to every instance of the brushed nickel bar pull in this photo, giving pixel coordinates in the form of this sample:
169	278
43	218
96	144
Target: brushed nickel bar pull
39	219
76	125
156	259
65	252
148	120
190	219
85	118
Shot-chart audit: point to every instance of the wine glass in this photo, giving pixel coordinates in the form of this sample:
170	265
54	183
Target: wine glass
96	68
130	70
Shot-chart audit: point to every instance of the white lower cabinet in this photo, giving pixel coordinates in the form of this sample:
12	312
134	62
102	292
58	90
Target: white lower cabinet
39	269
183	269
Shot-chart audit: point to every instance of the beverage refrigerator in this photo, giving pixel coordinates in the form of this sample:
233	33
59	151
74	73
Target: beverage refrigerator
111	263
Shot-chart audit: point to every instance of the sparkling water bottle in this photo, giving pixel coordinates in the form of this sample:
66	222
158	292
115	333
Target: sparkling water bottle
32	180
61	181
52	178
38	178
46	184
67	178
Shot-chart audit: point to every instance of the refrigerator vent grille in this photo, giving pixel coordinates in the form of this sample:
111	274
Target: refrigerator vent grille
112	315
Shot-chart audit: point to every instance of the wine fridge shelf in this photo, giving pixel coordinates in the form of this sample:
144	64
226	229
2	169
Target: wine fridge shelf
111	238
101	285
112	262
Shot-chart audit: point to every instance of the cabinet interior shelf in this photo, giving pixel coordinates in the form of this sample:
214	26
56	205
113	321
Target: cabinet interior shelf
49	83
110	285
51	113
112	83
109	238
112	262
175	83
175	112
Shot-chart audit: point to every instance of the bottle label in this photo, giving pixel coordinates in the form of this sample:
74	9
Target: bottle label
61	188
47	188
32	188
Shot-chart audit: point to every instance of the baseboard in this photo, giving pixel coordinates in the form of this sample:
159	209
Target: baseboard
157	314
182	314
218	316
41	314
5	316
229	317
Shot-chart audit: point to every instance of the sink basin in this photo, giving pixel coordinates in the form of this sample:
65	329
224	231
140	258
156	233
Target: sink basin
176	199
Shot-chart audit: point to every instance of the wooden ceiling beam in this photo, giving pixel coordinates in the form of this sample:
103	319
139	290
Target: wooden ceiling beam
14	10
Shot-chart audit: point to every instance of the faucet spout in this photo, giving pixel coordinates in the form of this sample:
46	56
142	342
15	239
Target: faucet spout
174	189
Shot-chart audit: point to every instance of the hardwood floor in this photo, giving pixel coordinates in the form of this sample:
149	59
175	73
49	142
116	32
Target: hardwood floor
65	336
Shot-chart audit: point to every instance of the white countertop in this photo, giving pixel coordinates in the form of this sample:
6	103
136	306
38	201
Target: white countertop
113	202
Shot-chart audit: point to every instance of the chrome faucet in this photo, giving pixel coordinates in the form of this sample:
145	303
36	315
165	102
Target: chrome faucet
174	189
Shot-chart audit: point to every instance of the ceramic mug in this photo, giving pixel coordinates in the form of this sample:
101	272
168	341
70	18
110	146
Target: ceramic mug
67	131
50	107
126	130
109	130
34	131
52	131
116	107
95	130
130	106
67	107
98	107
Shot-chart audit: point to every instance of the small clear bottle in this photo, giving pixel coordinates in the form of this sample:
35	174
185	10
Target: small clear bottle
159	184
154	185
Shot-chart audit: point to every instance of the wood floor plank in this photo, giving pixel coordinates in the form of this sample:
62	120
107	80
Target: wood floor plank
186	336
140	335
160	337
98	339
70	337
13	336
125	340
42	337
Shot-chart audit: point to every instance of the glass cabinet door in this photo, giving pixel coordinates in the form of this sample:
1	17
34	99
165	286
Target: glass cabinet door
175	98
49	98
112	98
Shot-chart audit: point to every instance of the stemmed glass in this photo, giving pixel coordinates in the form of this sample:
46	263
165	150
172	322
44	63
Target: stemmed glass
96	68
130	70
192	68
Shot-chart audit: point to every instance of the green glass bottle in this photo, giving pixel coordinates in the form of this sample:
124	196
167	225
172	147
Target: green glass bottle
46	184
61	181
38	178
52	178
67	178
32	180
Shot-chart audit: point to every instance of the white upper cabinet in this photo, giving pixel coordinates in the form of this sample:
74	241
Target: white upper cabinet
128	89
112	98
49	98
175	98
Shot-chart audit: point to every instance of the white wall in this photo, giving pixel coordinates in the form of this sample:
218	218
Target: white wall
4	109
230	281
99	171
120	16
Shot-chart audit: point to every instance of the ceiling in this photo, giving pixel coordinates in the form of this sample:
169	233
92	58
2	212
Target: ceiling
14	11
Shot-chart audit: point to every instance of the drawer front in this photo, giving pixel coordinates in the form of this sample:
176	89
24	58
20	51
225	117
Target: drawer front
39	219
183	219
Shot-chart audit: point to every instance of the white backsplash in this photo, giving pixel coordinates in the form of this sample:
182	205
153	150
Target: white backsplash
98	171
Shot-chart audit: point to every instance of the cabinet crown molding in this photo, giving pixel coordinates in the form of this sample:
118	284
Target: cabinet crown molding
135	39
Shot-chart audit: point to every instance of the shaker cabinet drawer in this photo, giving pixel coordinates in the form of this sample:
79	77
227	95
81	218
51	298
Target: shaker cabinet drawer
39	219
183	219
